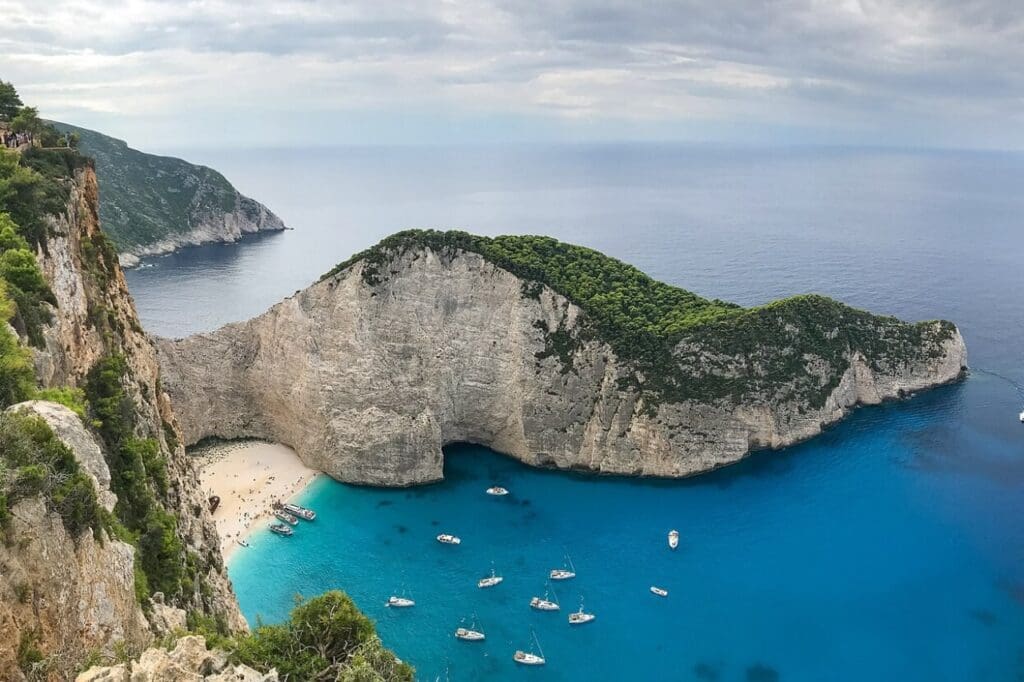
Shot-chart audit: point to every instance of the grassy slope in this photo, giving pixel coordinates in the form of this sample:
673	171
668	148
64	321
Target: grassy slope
145	198
684	346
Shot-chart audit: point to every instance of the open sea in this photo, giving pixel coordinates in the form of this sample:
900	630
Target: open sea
890	548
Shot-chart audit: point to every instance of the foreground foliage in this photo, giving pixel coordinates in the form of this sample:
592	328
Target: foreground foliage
682	346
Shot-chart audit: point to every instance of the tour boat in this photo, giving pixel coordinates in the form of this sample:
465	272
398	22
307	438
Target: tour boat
469	635
659	591
528	657
580	617
446	539
564	573
301	512
287	518
489	581
673	539
545	604
280	529
497	490
400	602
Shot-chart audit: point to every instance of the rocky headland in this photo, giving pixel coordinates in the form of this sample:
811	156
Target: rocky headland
553	354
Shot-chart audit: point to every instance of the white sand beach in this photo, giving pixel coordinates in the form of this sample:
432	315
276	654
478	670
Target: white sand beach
248	476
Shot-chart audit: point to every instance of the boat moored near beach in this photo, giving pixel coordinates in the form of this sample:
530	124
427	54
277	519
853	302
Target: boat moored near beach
447	539
301	512
281	529
287	518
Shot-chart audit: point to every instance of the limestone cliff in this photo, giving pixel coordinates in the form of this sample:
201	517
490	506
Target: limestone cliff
413	345
78	595
158	204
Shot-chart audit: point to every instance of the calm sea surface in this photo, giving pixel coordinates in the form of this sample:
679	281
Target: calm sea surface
891	548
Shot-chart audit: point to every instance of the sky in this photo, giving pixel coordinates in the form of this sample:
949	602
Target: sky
199	73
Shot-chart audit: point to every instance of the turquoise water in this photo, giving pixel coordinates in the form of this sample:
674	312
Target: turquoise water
876	552
891	548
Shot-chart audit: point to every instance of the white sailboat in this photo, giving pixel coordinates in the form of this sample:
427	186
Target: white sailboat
490	580
528	657
580	617
497	490
569	571
673	539
400	602
470	634
448	539
545	604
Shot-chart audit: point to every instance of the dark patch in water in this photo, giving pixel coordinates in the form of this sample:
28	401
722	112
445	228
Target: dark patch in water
408	496
401	529
524	502
387	542
762	673
984	616
706	671
435	522
384	503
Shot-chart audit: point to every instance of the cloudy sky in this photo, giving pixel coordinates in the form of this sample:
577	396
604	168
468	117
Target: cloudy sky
179	73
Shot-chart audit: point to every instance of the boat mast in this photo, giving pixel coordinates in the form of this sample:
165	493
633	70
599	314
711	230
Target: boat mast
537	642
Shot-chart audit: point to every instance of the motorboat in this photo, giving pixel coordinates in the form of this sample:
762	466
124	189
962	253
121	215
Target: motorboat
469	635
545	604
400	602
565	573
673	539
287	518
489	581
281	529
446	539
1022	416
241	542
580	617
661	592
497	490
301	512
528	657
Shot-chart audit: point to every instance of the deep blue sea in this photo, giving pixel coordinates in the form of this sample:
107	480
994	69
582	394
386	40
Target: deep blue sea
890	548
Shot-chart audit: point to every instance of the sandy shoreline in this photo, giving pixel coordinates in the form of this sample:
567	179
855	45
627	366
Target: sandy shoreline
248	476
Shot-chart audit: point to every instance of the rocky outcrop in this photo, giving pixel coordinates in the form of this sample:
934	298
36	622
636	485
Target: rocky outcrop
81	591
368	374
188	661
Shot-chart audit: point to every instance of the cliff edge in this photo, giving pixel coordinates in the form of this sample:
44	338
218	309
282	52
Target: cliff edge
553	354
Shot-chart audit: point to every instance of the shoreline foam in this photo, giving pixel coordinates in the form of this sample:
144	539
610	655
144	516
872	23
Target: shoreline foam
248	476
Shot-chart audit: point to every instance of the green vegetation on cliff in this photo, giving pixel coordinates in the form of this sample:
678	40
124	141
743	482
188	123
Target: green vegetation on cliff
145	198
680	345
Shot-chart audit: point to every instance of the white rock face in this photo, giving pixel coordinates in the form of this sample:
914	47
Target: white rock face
367	383
189	661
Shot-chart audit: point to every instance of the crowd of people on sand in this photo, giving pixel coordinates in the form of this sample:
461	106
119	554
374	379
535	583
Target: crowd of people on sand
13	140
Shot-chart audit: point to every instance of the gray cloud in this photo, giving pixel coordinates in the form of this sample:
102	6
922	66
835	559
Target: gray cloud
950	67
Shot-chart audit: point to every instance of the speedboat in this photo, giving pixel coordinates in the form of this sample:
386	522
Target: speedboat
673	539
287	518
489	581
301	512
580	617
400	602
446	539
659	591
497	490
469	635
569	571
281	529
243	543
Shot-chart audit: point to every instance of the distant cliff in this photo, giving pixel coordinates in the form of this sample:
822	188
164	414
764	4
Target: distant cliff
551	353
157	204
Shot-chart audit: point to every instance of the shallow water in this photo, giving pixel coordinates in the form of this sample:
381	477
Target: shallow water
890	548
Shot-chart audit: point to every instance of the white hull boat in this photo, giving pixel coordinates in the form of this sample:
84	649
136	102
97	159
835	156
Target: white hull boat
301	512
569	571
489	581
544	604
446	539
497	490
524	658
673	539
579	618
469	635
281	529
659	591
1022	417
243	543
400	602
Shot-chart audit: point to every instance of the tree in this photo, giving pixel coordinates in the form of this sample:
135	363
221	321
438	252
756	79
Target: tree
10	103
27	121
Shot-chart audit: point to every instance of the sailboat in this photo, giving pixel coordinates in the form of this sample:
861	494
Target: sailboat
497	490
580	617
449	539
528	657
400	602
564	573
470	634
490	580
545	604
